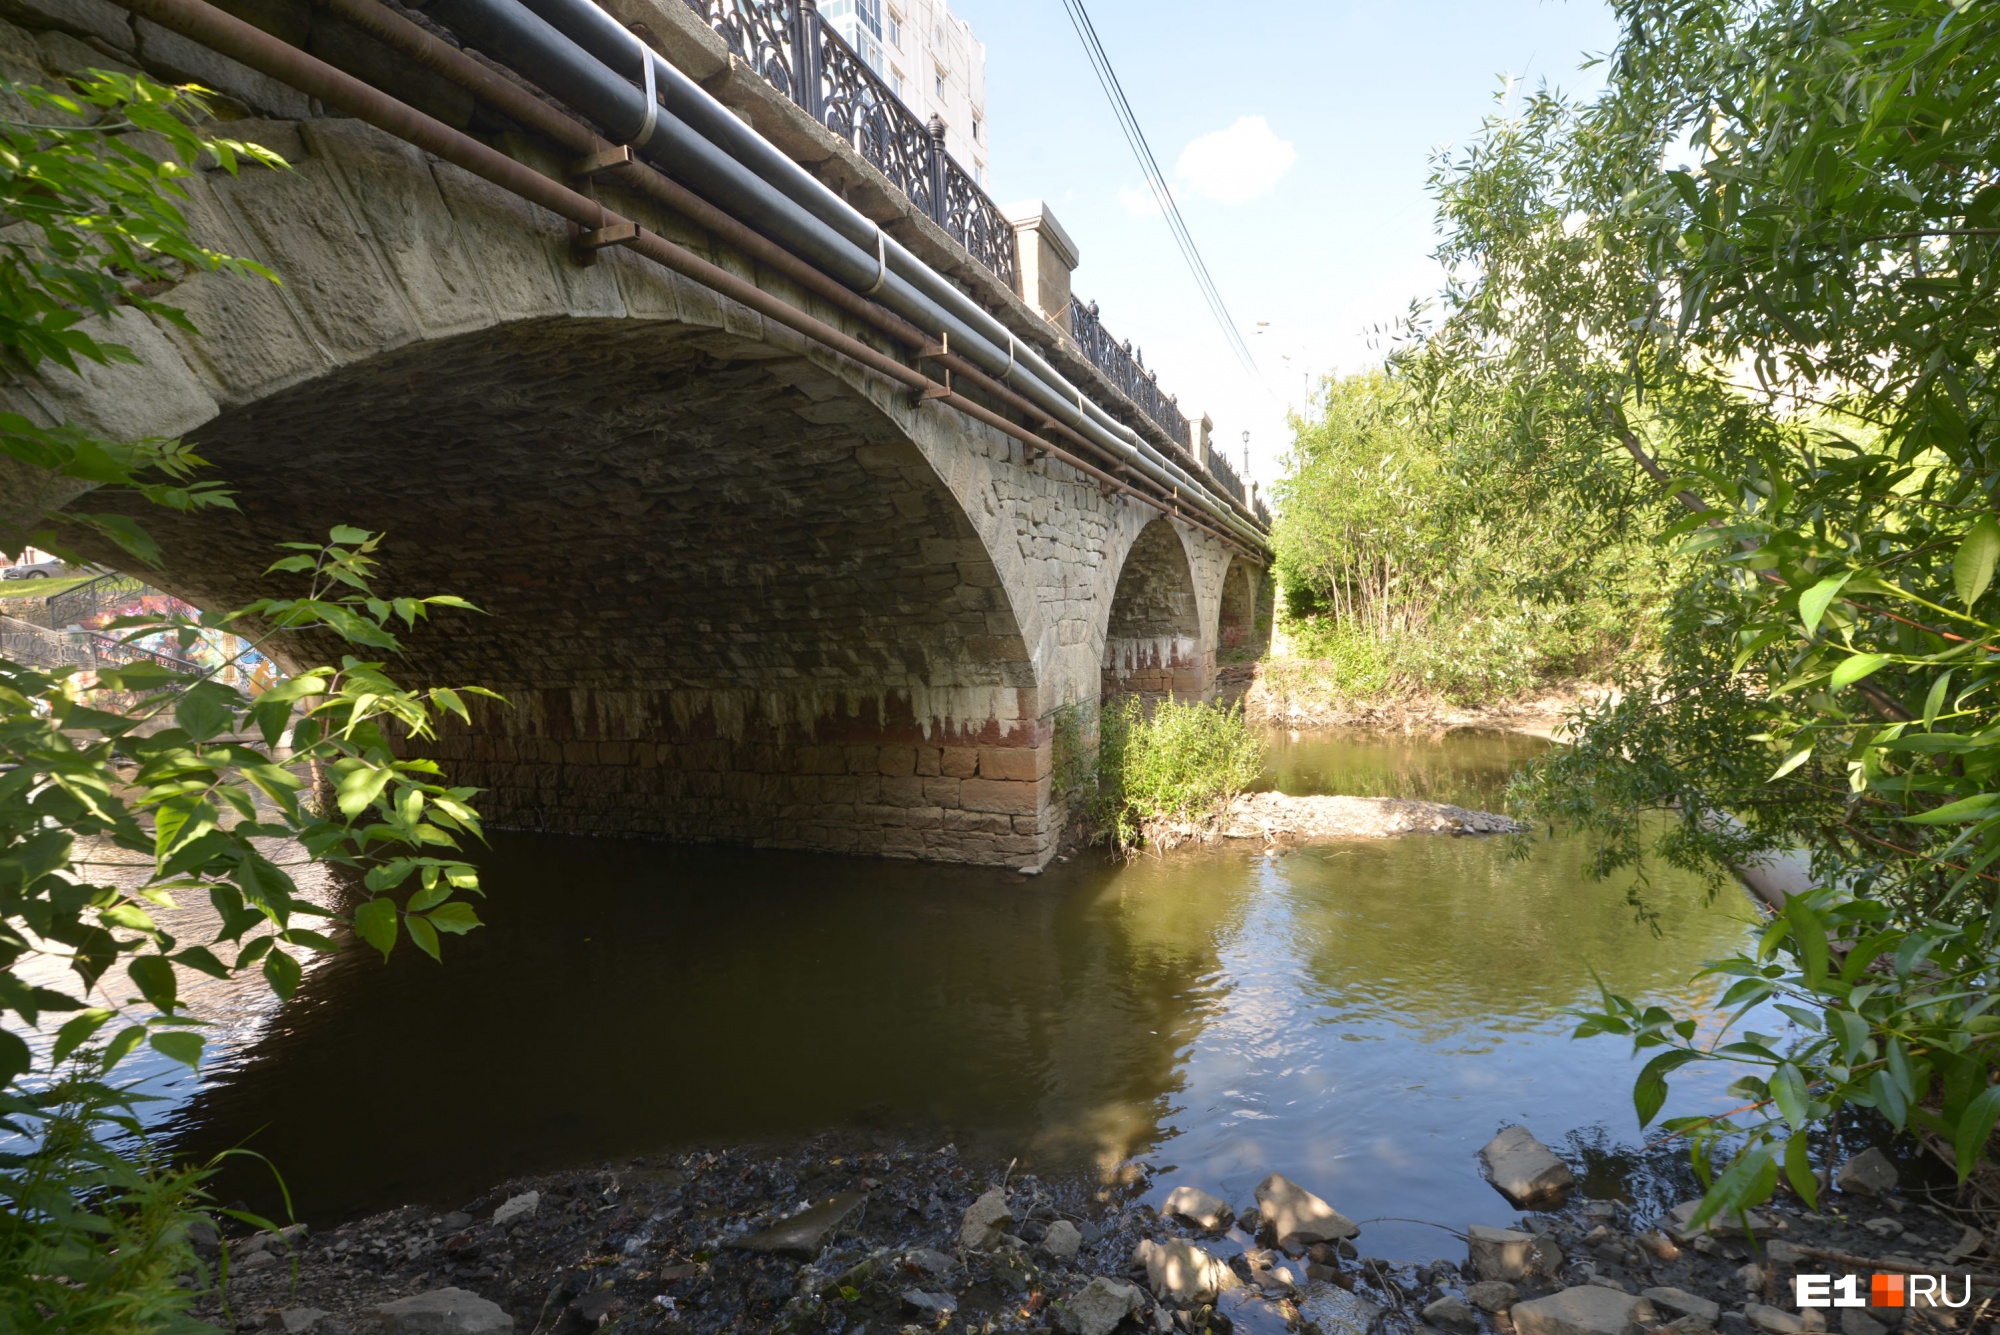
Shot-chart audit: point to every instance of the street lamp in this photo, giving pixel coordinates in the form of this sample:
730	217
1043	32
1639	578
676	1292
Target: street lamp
1246	456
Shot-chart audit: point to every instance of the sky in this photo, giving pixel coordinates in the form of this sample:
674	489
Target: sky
1297	138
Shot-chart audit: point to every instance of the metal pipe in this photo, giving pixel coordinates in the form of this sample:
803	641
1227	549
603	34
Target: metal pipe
523	107
260	51
527	38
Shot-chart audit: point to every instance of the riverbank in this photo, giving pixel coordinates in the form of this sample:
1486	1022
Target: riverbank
840	1237
1305	694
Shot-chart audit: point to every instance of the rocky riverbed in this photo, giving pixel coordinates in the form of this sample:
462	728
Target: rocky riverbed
846	1239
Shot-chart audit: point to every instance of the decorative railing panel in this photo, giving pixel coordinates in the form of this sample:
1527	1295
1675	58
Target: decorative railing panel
793	48
1124	367
106	593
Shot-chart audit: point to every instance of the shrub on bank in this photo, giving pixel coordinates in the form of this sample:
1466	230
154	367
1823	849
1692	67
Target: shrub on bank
1166	773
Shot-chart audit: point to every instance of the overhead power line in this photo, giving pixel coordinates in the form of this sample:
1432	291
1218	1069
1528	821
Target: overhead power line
1149	167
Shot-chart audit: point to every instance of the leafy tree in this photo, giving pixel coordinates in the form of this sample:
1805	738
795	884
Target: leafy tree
1745	302
1412	562
129	793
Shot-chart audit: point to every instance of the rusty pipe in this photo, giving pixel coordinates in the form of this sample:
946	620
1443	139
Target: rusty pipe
259	50
520	105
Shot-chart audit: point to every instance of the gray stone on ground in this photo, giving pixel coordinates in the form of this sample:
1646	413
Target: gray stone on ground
1585	1310
1854	1321
1290	1213
294	1320
1524	1170
1546	1256
804	1234
1778	1321
1869	1173
443	1312
986	1220
1722	1226
928	1261
1062	1240
1679	1302
518	1207
257	1260
1197	1207
1492	1295
1336	1311
1098	1307
1499	1253
937	1305
1454	1314
1181	1272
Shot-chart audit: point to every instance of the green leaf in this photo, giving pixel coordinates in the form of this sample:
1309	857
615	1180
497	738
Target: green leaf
1855	668
1814	601
1975	1128
74	1034
1788	1090
1972	568
15	1060
1977	807
206	711
120	1047
375	923
1798	1170
283	973
157	983
424	935
1649	1092
360	785
456	918
179	1044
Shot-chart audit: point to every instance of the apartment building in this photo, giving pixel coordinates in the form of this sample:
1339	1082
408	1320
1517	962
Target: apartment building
929	56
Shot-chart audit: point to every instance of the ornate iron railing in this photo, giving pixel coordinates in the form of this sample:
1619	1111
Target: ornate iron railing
73	607
38	646
1124	367
788	43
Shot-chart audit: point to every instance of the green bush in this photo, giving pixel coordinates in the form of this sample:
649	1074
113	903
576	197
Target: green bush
1173	764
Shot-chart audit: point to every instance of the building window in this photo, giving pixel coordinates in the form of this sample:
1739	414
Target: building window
975	127
871	15
895	30
979	173
937	82
896	81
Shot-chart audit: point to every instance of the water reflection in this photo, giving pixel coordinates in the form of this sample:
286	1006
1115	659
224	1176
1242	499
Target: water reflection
1361	1017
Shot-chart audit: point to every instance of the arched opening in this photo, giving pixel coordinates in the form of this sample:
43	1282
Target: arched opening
727	597
1237	635
1152	643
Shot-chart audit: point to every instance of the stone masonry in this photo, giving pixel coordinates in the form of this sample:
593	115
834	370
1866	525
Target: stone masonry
733	586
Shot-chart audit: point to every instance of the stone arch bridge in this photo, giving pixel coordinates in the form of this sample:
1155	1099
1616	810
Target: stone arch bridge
736	585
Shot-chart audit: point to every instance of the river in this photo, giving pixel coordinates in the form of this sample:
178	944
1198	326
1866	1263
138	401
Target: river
1360	1017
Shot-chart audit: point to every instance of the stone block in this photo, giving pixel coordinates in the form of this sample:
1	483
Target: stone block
1008	796
86	18
1179	1271
1013	762
1290	1213
1524	1170
170	53
944	792
896	761
959	762
1500	1253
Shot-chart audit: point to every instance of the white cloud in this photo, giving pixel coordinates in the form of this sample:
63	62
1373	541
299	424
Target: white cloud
1235	165
1139	203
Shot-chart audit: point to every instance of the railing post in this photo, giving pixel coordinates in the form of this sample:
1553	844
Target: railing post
805	56
936	128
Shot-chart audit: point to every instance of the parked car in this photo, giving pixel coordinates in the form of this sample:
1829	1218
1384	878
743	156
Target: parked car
36	570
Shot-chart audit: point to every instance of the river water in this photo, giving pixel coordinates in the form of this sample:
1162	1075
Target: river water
1360	1017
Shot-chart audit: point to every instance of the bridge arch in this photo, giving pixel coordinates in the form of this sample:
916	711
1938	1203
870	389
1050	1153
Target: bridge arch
1153	640
1236	633
736	587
